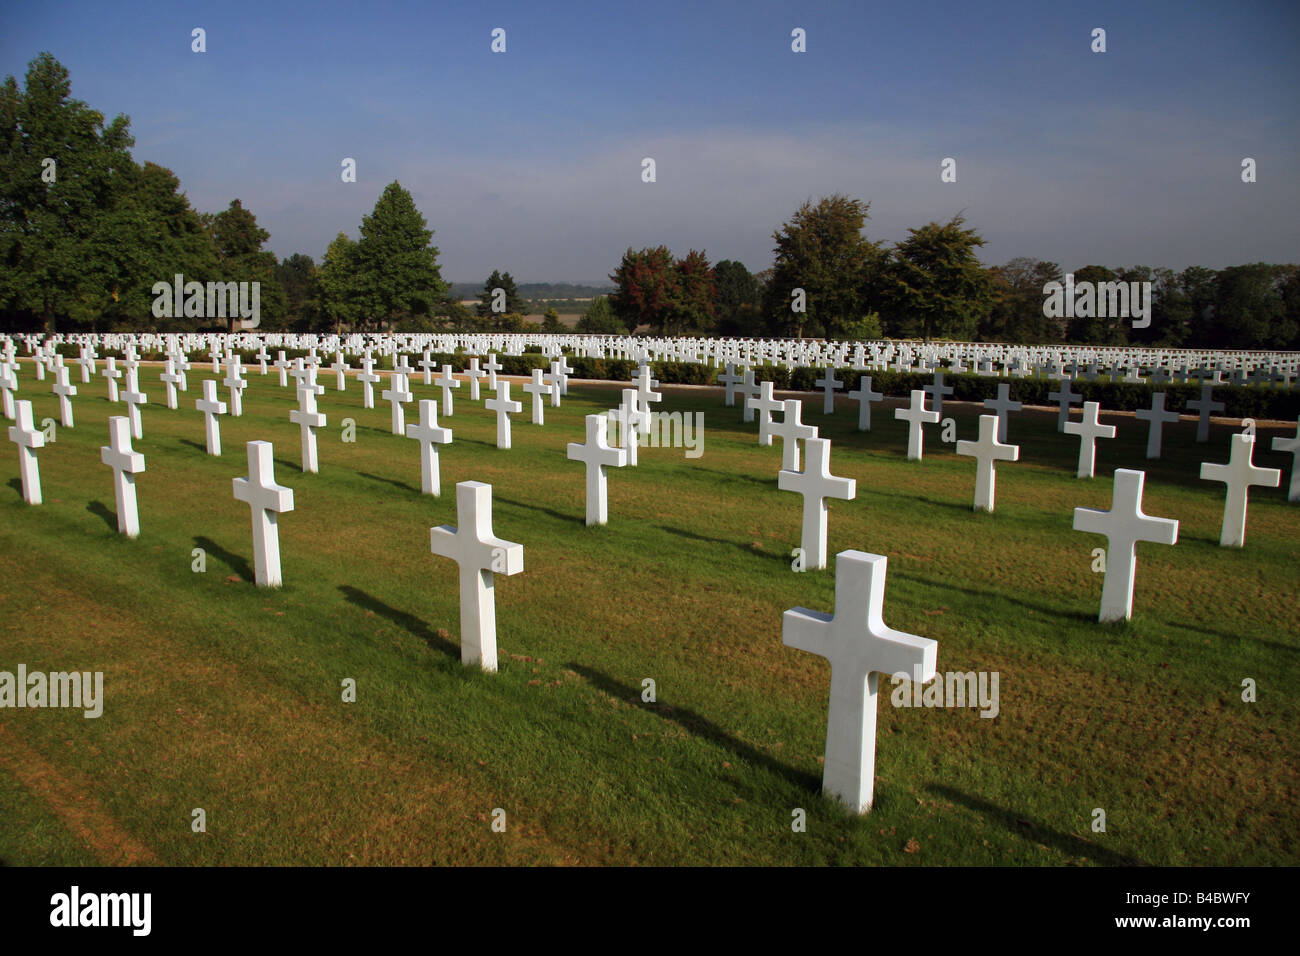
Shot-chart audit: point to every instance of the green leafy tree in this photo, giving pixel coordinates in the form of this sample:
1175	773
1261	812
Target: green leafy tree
647	289
599	319
238	240
822	251
339	295
1016	313
937	286
51	253
513	301
1250	309
299	278
696	305
1095	329
551	320
738	300
397	269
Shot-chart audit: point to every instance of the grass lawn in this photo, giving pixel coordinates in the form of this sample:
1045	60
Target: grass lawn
227	697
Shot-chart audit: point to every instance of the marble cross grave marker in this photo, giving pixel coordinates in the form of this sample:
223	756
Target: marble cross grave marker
211	408
597	454
504	407
864	396
764	404
446	381
28	438
1124	525
308	419
1089	430
480	555
65	390
791	430
1000	406
430	436
126	464
1239	474
816	484
1292	445
538	390
916	415
1157	418
266	500
860	647
986	452
395	395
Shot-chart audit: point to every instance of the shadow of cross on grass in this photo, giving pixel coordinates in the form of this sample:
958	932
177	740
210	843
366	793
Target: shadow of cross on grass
407	622
694	723
101	509
1071	844
231	560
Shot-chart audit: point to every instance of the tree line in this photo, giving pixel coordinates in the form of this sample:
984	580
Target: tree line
86	231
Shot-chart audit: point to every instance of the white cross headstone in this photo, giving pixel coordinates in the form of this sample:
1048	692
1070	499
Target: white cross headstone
126	464
1089	430
936	392
427	364
266	500
446	381
134	399
282	366
23	434
474	375
1000	406
538	390
791	430
916	415
597	455
764	404
1064	399
171	379
1124	525
395	395
211	408
235	382
262	356
308	420
340	369
747	389
430	436
816	484
480	555
986	452
860	647
1239	474
1157	418
864	396
111	374
368	380
492	366
1205	406
8	385
1292	445
828	383
555	379
504	407
730	380
65	390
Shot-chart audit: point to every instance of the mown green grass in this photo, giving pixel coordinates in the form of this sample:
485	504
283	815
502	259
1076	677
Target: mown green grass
224	696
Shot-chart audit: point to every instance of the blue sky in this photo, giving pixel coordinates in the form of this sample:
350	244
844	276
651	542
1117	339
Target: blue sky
530	161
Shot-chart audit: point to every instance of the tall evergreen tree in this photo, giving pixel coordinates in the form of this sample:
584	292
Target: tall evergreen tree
397	269
937	286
